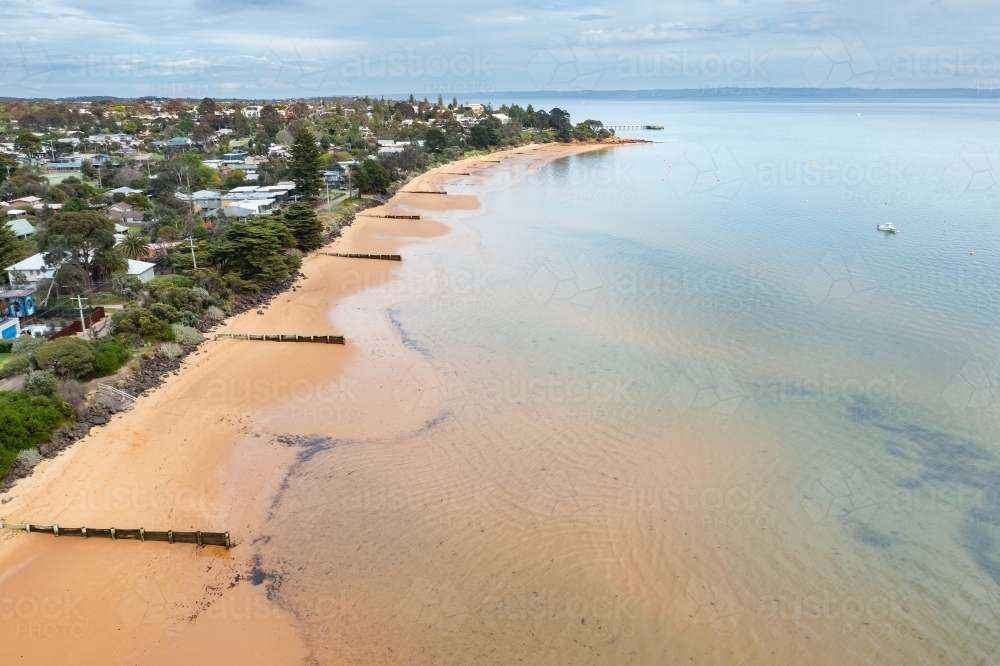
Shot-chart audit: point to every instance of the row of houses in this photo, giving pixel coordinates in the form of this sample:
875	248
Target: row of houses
240	202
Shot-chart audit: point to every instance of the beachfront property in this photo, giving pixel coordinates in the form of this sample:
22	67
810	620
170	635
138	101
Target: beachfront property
34	270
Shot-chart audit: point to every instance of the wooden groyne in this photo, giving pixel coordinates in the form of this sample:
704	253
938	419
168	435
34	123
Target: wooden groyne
115	534
422	192
393	217
385	257
321	339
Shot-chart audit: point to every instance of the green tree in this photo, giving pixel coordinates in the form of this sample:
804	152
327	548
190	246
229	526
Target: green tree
76	238
110	354
67	357
305	165
305	225
109	261
140	323
12	250
25	421
27	143
7	163
371	177
482	136
139	202
134	246
435	140
255	251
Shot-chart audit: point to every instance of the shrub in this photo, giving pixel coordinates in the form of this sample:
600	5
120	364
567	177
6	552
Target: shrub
170	350
75	395
69	357
187	318
27	345
142	324
200	295
170	281
25	422
29	457
15	366
214	314
110	354
6	346
186	335
164	311
40	383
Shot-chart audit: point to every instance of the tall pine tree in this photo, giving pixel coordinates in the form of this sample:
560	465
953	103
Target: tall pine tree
305	165
305	225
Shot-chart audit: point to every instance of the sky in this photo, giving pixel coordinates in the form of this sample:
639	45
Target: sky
258	49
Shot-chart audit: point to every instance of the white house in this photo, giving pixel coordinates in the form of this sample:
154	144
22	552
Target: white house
125	191
141	269
34	269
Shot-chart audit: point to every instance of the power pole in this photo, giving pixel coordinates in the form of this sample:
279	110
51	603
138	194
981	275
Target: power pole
83	322
194	261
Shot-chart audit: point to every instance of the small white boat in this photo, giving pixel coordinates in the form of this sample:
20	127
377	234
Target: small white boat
888	228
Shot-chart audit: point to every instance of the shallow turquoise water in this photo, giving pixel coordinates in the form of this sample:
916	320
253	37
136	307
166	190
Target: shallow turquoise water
691	407
726	286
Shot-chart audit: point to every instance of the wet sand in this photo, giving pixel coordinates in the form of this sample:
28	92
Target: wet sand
209	450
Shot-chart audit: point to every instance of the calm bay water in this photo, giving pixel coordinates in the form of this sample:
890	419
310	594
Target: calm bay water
694	406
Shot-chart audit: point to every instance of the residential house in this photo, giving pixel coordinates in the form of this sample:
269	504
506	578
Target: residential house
66	165
21	228
234	157
125	191
124	212
176	142
33	269
143	270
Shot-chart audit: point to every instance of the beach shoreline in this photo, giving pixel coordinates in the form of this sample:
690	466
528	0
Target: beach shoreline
210	449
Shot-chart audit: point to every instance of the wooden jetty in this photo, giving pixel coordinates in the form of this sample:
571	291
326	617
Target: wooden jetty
385	257
117	533
319	339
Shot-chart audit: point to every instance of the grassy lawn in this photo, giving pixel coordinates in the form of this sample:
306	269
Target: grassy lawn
4	358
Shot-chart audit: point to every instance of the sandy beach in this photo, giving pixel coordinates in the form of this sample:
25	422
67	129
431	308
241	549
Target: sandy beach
210	450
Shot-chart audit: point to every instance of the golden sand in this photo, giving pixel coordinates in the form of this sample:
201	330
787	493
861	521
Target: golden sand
200	453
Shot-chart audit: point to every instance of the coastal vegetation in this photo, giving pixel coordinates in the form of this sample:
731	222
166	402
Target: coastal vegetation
370	145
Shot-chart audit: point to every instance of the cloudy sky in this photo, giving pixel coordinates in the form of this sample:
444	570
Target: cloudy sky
295	48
